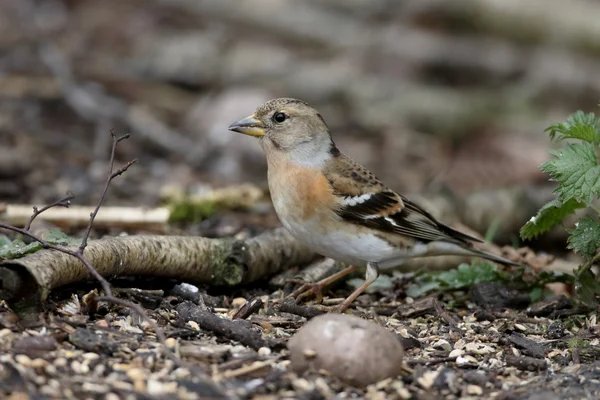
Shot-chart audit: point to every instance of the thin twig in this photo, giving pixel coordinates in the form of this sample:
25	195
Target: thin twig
111	176
64	202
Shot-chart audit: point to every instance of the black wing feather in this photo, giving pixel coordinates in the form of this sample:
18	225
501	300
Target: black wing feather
411	220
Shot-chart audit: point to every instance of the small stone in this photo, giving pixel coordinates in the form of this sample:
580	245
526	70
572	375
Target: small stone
264	351
23	360
194	325
478	348
238	302
556	330
5	332
136	374
50	370
102	323
474	390
171	342
466	361
157	388
90	356
76	367
39	363
338	340
456	353
442	344
520	327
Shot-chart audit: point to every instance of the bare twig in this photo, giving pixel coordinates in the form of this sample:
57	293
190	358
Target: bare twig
64	202
111	175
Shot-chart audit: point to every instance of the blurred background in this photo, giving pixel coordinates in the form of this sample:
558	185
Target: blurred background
429	94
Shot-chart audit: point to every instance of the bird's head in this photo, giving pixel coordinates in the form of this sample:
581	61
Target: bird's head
289	126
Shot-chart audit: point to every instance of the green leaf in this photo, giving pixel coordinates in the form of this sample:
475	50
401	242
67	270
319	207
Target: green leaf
548	216
577	172
463	277
585	238
536	294
580	126
17	249
55	236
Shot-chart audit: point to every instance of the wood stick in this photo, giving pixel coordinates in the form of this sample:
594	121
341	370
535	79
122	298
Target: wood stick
197	259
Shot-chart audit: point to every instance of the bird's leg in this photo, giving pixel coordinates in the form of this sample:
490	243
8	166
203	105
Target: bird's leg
315	288
370	277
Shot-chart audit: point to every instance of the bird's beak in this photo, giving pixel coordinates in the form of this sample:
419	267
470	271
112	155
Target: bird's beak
249	126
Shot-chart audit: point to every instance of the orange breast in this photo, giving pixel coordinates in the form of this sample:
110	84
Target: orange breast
299	192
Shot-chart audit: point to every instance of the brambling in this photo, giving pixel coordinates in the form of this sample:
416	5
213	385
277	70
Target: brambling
336	206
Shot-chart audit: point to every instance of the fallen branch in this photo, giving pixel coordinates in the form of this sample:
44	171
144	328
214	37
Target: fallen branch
197	259
238	330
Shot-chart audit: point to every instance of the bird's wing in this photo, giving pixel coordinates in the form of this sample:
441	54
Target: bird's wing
364	200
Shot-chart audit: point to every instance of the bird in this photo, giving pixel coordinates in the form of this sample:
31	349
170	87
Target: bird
337	207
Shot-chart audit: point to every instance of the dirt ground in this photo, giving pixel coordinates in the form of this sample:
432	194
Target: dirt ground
434	97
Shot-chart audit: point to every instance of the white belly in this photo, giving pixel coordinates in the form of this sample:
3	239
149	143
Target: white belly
349	247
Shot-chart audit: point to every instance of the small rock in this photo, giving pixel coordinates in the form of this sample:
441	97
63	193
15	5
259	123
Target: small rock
23	360
186	291
466	361
456	353
238	302
353	349
556	330
264	351
442	344
474	390
478	348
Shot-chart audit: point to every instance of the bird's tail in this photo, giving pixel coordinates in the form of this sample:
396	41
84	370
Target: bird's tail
492	257
441	248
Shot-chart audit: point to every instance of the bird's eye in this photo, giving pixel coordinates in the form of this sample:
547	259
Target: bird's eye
279	117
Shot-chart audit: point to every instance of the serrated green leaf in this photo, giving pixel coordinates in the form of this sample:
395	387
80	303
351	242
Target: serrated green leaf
548	216
17	249
585	238
577	172
580	126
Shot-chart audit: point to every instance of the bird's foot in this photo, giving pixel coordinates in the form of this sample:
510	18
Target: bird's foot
307	289
316	288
